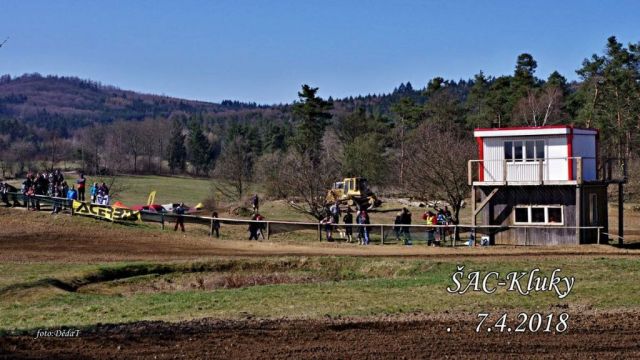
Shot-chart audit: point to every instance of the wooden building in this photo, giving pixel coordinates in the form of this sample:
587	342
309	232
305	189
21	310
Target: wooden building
540	184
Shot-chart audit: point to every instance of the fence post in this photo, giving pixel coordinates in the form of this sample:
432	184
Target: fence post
598	230
211	228
381	234
268	230
455	234
319	232
162	221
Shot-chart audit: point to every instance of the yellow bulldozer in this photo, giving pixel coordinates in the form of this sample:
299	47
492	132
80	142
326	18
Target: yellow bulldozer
353	191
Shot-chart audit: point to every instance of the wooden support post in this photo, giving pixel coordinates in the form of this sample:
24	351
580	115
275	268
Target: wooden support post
485	201
381	234
598	236
319	232
504	172
620	214
540	172
162	221
578	213
473	213
470	172
268	231
211	228
579	170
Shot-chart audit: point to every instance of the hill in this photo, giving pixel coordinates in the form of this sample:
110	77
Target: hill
42	100
54	102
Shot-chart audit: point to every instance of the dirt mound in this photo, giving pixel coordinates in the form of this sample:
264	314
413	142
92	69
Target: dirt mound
590	335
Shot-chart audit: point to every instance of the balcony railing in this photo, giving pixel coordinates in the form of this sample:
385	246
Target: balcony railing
551	171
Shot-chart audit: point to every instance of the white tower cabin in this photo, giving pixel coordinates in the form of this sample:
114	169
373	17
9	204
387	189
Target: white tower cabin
539	185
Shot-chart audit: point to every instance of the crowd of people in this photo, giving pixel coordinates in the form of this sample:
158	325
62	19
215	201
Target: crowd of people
51	184
54	185
436	235
361	218
402	225
99	194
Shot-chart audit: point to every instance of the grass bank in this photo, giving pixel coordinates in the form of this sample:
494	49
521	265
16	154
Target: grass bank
312	287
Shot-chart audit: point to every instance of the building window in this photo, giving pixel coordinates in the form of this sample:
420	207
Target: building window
530	147
508	150
554	215
538	214
519	151
522	215
540	149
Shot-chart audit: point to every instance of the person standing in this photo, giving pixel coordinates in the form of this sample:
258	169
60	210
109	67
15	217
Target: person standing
430	219
364	219
441	220
260	225
398	229
179	211
216	224
254	228
93	192
255	202
3	194
335	212
406	220
81	182
348	229
24	189
72	194
328	228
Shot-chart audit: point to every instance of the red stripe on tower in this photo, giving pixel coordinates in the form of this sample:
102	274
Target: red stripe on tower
570	152
480	141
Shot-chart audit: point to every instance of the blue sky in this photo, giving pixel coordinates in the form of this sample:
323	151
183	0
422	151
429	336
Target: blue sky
263	51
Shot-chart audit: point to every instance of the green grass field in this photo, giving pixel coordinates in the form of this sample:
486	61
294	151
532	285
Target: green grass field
339	286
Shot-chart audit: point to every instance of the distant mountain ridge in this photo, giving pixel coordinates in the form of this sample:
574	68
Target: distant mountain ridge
36	98
64	104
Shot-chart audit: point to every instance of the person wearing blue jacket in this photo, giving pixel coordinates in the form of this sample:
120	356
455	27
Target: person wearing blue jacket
93	191
72	194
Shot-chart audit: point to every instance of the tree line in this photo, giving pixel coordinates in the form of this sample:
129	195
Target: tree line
413	141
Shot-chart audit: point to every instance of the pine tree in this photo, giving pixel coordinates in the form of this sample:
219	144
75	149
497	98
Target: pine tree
478	111
312	112
176	149
610	97
199	154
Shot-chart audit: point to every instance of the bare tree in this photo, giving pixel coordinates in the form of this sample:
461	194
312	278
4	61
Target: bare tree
268	171
234	169
309	182
437	167
22	153
92	143
539	106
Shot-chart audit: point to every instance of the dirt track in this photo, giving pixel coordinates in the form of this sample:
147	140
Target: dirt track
35	237
605	335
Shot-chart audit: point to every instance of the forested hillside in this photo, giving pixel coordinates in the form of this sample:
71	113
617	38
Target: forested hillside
44	120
